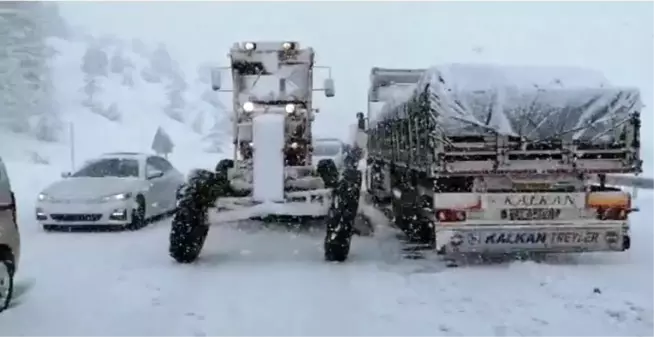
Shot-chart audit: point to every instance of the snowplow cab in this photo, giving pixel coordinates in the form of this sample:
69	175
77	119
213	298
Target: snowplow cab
273	77
270	175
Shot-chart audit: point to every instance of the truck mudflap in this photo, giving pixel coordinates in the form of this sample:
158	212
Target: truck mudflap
556	238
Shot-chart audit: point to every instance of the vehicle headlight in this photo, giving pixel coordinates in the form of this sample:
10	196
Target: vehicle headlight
119	196
290	108
250	46
43	197
248	106
288	45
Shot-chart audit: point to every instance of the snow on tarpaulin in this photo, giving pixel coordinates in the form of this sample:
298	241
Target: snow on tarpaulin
390	95
534	102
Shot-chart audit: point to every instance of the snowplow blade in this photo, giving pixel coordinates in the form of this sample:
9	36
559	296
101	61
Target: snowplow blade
301	204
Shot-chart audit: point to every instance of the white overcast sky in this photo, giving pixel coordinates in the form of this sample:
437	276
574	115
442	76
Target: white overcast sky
616	38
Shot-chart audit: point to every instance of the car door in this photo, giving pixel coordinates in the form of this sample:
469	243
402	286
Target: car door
157	192
177	179
173	179
9	234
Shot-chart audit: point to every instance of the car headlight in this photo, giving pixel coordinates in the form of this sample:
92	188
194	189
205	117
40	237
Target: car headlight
290	108
43	197
248	106
120	196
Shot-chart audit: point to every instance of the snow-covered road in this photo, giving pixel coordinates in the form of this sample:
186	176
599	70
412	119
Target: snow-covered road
269	282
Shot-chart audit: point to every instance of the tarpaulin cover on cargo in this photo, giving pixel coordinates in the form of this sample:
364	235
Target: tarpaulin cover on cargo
537	103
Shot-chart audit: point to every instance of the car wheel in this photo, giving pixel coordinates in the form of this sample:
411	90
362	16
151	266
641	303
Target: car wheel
138	214
6	281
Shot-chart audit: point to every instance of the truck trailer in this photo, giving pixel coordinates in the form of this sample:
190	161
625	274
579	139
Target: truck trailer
487	159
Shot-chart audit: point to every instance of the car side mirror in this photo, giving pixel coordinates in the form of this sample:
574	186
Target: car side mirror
155	174
65	174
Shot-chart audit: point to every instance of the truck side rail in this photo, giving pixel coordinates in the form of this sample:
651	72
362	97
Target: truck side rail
505	154
414	133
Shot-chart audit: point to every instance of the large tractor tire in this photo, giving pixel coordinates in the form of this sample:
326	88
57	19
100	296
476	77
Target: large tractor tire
340	221
224	165
189	226
328	171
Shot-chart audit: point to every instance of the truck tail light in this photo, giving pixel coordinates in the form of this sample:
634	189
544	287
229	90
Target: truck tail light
612	213
450	215
609	205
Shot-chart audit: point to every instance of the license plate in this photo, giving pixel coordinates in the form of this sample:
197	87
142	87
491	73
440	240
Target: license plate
533	213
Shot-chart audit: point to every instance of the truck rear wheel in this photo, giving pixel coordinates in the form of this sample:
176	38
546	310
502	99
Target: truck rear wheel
407	211
189	228
340	221
626	242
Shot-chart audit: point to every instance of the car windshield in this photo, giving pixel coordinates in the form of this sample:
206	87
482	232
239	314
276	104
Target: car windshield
114	167
326	149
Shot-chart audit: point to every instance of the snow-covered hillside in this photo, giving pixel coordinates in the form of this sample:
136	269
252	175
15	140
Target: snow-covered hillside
128	107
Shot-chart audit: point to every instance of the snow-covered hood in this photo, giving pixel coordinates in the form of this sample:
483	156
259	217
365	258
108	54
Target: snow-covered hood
74	188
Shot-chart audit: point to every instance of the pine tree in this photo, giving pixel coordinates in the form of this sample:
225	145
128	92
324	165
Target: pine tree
161	62
95	62
198	123
211	97
90	89
149	75
216	137
176	104
25	82
118	63
139	47
128	78
53	24
112	113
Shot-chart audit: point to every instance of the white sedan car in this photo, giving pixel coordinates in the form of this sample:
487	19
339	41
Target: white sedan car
116	190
